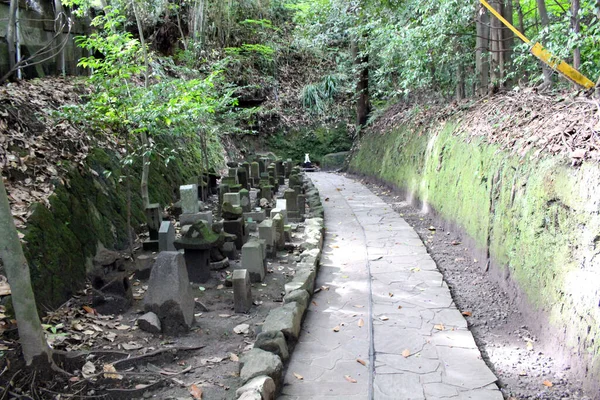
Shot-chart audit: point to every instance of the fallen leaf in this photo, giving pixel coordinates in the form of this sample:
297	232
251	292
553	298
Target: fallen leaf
110	372
131	346
220	287
123	327
88	369
89	310
439	327
298	376
361	323
350	379
363	362
314	303
195	391
391	294
547	383
358	306
141	386
224	315
579	153
336	329
233	357
406	353
467	313
384	318
529	345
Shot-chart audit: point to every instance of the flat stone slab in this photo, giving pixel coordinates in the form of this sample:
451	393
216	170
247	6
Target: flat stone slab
380	289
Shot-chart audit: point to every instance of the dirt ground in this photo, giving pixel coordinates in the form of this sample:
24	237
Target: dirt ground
524	364
117	360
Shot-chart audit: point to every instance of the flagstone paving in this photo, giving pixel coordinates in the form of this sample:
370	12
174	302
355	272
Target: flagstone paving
383	325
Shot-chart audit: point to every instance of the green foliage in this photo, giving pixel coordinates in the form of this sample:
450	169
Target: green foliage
317	97
317	141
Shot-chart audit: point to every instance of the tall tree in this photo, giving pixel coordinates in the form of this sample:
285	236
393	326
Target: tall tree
31	335
497	46
541	4
482	57
11	33
575	27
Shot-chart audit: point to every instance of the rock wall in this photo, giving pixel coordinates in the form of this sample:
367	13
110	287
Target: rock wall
89	208
535	221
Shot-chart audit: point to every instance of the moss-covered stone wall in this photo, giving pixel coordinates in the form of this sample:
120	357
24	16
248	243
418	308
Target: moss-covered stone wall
538	220
90	207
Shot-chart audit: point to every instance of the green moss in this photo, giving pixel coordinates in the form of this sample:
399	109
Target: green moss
540	219
92	207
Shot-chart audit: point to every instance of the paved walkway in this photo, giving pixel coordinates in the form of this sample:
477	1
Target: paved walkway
384	325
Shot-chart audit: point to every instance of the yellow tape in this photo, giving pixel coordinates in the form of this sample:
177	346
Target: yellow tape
540	52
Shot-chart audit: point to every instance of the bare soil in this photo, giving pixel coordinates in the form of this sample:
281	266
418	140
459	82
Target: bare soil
524	363
109	357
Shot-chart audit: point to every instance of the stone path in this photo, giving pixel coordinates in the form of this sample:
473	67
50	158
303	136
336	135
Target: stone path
384	303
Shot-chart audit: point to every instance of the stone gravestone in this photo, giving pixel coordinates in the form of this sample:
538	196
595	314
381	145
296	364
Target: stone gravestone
166	236
169	295
255	174
291	201
189	199
302	205
232	198
245	200
253	261
267	233
262	168
234	223
153	219
242	176
278	223
242	291
288	168
197	244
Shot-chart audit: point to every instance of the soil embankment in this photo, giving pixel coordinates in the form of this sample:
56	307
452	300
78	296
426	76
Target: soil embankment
525	200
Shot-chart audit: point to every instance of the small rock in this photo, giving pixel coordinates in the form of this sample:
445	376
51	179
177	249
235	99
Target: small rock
242	329
263	385
274	342
258	362
149	322
200	306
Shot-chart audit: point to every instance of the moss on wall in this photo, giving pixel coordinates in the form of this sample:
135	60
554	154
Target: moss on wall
91	207
539	219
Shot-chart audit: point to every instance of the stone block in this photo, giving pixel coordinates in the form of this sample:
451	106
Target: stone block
232	198
242	291
258	362
274	342
281	204
299	296
166	236
242	177
255	170
253	261
263	385
189	198
283	213
169	295
303	280
286	319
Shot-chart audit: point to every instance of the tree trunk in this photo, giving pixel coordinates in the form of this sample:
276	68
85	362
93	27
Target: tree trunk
361	64
144	135
31	335
575	27
10	33
545	22
59	17
497	47
508	41
482	58
460	82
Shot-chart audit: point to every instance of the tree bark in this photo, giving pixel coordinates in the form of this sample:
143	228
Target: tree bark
545	22
144	135
31	335
575	27
10	33
482	59
497	47
361	63
508	35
